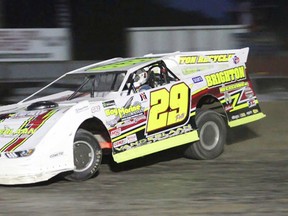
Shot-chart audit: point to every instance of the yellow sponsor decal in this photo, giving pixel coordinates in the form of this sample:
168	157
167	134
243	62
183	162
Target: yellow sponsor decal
157	137
233	87
255	111
23	131
157	146
123	111
188	59
235	100
226	76
194	69
205	59
246	120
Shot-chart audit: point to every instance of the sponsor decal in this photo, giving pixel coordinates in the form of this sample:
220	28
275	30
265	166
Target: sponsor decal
234	117
81	109
188	59
132	138
194	69
251	103
226	76
205	59
56	154
255	111
116	132
95	109
227	98
233	87
154	138
197	79
25	131
124	112
249	112
228	107
248	92
131	121
246	114
26	114
143	96
236	59
11	132
242	115
108	103
120	143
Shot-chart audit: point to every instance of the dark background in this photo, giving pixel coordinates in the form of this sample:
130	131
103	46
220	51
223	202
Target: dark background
98	25
98	32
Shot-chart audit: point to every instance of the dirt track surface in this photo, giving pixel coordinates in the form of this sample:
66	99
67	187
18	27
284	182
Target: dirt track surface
249	178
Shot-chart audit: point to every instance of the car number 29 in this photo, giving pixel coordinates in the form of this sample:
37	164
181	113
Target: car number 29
168	108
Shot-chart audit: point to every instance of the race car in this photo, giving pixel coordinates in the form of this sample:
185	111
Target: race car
127	107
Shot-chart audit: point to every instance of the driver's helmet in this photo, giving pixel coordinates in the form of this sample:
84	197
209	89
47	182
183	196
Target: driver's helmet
140	78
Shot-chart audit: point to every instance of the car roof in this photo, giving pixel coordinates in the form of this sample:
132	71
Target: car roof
116	64
135	63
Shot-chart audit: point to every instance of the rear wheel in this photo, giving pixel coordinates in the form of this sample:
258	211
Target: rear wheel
212	133
87	156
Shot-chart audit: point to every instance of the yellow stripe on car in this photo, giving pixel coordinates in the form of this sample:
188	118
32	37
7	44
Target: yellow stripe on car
156	146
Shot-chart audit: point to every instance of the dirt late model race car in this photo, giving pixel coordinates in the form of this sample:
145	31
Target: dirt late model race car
131	107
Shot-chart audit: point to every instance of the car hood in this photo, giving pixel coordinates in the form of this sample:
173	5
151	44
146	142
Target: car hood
20	125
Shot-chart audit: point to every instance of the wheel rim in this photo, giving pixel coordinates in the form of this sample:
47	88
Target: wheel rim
209	135
83	156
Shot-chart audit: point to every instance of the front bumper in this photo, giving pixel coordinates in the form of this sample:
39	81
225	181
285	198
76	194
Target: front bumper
30	169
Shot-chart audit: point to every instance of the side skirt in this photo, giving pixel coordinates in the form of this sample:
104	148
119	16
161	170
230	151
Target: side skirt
156	147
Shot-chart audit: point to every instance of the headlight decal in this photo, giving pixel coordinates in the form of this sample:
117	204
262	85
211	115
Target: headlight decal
19	154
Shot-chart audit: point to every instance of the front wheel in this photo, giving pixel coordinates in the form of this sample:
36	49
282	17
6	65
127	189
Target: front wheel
212	133
87	156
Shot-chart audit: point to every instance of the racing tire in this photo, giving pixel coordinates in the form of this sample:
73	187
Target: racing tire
87	156
212	133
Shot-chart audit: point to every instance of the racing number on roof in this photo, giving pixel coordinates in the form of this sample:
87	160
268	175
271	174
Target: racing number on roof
168	108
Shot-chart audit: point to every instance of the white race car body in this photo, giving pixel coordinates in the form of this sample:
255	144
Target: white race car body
37	134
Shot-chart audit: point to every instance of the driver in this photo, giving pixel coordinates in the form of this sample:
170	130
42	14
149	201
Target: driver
140	80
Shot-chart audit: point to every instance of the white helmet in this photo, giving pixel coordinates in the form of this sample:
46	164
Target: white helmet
140	78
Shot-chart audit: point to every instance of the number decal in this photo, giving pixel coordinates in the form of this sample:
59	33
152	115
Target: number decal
168	109
179	104
158	112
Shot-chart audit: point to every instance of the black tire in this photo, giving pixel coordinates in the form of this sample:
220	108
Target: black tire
212	133
87	156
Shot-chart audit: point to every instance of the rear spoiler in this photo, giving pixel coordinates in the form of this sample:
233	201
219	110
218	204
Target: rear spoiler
233	56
